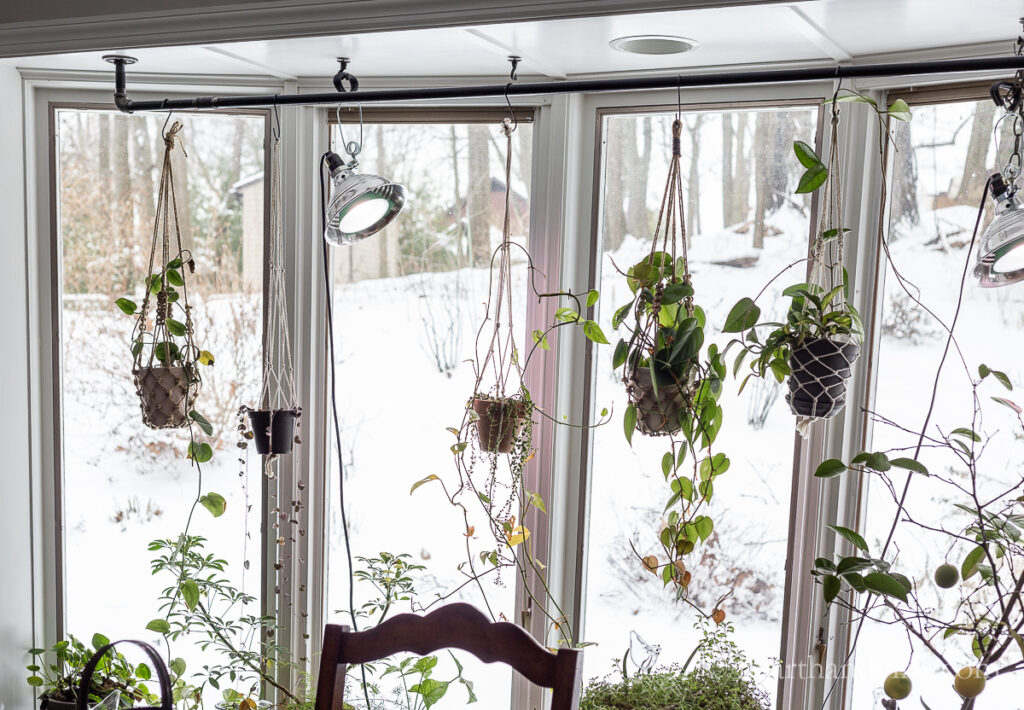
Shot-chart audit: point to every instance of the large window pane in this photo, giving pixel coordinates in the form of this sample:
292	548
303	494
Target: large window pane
944	158
408	303
123	483
744	226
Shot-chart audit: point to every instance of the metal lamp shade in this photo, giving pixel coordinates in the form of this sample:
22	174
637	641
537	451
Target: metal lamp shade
361	205
1001	255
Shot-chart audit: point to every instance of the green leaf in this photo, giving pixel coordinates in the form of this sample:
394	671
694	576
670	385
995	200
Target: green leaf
806	155
878	461
966	433
812	179
428	479
629	423
899	110
621	353
143	672
175	327
99	641
35	681
129	307
159	625
430	690
1008	403
155	283
910	465
202	422
970	564
592	297
831	586
215	503
855	539
540	340
1003	379
855	98
886	584
177	667
704	527
190	593
200	453
173	277
537	502
593	331
830	468
742	316
674	293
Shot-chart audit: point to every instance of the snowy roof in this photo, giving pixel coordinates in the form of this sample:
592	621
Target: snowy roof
245	182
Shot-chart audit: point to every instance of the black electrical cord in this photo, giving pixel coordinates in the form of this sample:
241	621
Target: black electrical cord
334	413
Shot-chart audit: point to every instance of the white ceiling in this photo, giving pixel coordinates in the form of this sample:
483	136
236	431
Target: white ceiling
809	31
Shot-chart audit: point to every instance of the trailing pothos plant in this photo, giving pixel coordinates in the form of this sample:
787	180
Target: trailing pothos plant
673	383
817	343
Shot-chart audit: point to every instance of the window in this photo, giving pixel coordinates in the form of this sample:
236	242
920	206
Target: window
124	484
943	159
744	225
407	306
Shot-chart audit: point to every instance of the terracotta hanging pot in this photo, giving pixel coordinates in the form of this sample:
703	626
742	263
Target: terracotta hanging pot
166	395
273	431
819	370
499	421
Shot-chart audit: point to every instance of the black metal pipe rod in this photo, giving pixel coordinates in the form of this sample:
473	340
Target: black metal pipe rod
771	76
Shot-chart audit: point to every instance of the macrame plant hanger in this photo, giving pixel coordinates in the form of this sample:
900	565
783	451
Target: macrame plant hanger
166	377
500	414
274	422
658	406
821	367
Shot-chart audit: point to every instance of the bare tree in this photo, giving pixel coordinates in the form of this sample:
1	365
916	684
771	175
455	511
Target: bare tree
461	249
740	196
123	211
728	136
972	180
614	218
478	205
904	180
637	169
693	180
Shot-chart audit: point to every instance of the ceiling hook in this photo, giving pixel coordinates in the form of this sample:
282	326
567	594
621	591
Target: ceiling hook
342	76
514	61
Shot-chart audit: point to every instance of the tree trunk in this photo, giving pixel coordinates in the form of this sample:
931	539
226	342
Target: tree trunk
145	192
461	249
975	173
904	181
638	171
693	181
478	205
181	182
728	208
740	196
763	153
123	213
614	217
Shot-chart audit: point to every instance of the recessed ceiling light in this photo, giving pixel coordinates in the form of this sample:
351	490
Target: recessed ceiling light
653	44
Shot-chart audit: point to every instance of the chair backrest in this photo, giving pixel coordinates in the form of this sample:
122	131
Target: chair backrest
458	626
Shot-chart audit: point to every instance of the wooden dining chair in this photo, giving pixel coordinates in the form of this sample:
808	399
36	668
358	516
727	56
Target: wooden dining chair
458	626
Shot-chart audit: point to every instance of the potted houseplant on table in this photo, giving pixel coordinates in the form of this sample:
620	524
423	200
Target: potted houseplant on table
57	674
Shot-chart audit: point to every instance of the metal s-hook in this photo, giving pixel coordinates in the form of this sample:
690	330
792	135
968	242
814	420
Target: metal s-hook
276	128
170	112
352	148
513	120
342	76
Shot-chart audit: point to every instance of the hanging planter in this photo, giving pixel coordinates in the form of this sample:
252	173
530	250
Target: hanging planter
819	369
166	357
661	358
501	412
273	424
819	341
499	422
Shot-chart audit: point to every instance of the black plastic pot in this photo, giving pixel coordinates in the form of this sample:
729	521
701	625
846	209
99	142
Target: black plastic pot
273	431
46	703
817	384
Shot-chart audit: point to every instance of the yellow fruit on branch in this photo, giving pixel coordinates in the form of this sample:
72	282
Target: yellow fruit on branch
969	682
897	685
